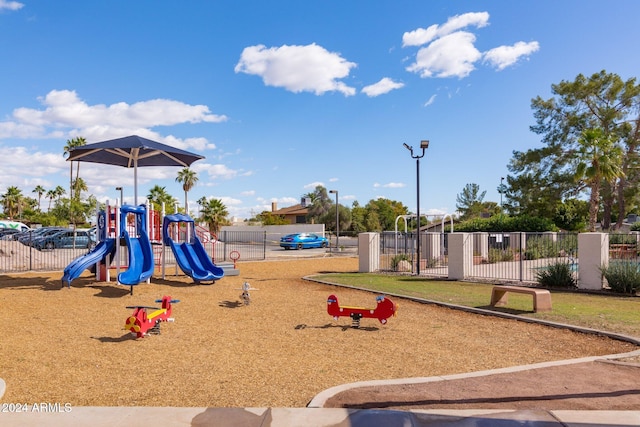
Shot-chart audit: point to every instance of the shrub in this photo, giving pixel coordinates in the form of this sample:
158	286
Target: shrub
558	275
396	260
497	255
623	276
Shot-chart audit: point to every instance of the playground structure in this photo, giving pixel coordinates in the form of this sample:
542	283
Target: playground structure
385	309
141	323
178	233
139	229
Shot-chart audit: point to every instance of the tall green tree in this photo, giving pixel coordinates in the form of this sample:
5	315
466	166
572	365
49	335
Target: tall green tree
59	191
469	201
321	205
602	101
214	213
188	178
159	195
39	190
79	185
358	217
382	213
51	195
71	144
598	162
11	200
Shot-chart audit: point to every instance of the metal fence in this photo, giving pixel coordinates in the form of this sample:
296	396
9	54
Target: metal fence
231	246
399	252
520	257
509	257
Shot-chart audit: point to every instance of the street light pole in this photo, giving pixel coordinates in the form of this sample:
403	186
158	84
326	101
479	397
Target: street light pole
337	219
424	144
121	200
501	191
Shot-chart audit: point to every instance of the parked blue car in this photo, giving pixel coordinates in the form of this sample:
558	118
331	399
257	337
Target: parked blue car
303	241
65	239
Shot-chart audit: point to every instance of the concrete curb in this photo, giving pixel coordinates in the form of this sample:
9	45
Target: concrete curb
321	398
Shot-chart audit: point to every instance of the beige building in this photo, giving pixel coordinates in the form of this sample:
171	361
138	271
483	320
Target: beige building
296	214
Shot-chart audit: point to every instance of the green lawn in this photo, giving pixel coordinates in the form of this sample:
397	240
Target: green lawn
610	313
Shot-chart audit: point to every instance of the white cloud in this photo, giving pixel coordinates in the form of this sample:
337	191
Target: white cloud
423	36
503	56
217	171
309	68
248	193
385	85
451	52
313	185
65	115
10	5
430	100
450	56
394	185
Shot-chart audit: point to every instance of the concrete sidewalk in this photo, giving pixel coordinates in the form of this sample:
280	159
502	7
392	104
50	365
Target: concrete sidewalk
311	417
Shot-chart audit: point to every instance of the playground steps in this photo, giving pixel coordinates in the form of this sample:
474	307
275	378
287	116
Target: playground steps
229	269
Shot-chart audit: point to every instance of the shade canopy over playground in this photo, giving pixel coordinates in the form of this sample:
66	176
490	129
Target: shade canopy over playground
133	152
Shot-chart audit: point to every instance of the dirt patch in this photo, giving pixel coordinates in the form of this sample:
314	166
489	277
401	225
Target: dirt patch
70	346
583	386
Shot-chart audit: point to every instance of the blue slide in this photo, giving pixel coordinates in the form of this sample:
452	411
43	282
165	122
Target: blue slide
98	254
192	258
141	263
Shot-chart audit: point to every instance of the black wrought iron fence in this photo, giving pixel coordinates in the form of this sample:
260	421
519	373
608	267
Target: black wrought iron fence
505	257
16	256
521	257
399	253
624	246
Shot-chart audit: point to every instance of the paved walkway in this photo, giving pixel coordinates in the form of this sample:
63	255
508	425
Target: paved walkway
60	415
313	417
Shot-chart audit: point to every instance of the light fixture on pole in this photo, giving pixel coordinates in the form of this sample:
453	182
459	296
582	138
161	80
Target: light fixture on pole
501	189
424	144
337	218
121	199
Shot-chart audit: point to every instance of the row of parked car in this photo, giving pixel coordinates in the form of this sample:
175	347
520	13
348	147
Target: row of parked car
52	237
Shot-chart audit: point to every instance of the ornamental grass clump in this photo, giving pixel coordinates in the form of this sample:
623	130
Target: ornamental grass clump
622	276
558	275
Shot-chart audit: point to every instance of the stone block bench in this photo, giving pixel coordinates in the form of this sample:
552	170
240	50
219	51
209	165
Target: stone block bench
541	297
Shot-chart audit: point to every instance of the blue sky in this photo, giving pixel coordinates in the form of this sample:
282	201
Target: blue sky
281	96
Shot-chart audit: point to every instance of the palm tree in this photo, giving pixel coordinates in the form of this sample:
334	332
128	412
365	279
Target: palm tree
11	200
158	195
51	194
40	191
79	186
188	179
214	213
599	160
71	144
60	191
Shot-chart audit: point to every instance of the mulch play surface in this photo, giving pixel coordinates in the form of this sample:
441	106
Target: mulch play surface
70	346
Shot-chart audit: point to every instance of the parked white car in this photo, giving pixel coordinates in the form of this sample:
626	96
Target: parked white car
14	225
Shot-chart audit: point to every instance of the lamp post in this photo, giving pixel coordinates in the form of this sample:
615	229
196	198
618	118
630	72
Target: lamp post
501	189
121	200
337	219
424	144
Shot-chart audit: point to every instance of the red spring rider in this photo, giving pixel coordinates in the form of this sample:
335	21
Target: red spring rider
141	323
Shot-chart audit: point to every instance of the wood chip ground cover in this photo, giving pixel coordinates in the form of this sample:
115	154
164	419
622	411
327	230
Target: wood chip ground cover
69	345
